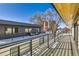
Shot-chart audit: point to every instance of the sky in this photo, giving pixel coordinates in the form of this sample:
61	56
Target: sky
21	12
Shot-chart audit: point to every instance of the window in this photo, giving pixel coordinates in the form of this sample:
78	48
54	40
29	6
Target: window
26	29
8	30
16	30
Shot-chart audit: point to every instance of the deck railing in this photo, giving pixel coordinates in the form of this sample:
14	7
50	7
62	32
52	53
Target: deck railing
32	46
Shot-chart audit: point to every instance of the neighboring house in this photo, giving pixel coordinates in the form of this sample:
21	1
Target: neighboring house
12	29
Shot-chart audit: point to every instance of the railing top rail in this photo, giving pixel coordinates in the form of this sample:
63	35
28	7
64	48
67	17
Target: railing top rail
18	40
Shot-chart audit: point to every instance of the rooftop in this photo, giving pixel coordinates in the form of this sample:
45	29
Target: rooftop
14	23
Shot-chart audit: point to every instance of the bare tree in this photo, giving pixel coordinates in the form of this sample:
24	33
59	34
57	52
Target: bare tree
54	21
48	16
37	18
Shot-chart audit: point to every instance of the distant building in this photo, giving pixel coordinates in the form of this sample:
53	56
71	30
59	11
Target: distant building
66	30
53	26
45	26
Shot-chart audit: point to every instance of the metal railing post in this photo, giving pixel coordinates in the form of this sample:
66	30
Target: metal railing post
10	52
18	50
31	47
54	37
48	41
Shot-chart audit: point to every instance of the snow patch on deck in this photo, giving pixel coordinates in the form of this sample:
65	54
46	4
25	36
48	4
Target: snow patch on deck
55	45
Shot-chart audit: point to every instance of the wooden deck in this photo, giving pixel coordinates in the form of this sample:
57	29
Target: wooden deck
63	48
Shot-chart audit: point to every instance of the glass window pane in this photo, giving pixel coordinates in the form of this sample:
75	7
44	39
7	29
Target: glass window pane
16	30
26	29
8	30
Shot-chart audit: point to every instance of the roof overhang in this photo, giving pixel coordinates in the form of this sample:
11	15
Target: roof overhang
68	11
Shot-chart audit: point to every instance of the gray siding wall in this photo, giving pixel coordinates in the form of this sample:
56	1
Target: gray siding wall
21	30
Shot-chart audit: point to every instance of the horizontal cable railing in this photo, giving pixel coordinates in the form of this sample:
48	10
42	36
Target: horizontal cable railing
32	46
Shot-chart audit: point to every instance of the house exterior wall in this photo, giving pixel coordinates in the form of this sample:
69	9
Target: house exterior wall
78	34
8	31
